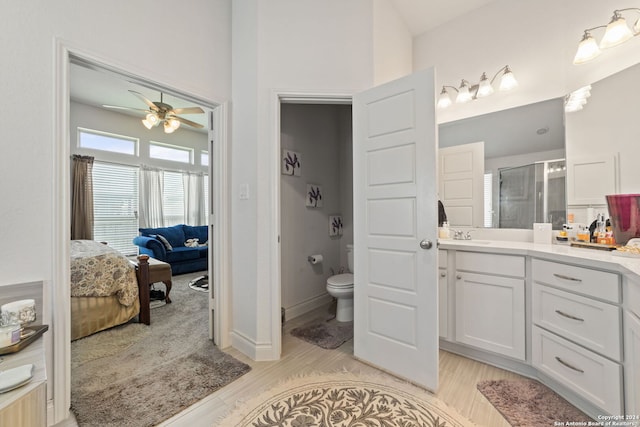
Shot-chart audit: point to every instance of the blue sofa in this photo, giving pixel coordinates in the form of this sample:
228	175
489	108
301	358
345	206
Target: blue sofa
168	244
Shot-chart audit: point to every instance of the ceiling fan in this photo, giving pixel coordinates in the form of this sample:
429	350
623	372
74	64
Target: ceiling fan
159	112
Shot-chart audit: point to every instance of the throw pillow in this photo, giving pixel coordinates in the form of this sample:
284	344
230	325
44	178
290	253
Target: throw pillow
165	242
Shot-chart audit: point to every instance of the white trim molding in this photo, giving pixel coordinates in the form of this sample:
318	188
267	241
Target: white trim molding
59	373
278	97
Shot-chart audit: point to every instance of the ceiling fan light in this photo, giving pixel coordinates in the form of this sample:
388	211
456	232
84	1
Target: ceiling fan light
174	123
153	119
147	123
636	27
484	87
444	100
587	49
617	32
171	125
508	80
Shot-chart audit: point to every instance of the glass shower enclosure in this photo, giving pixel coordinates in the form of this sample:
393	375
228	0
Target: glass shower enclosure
533	193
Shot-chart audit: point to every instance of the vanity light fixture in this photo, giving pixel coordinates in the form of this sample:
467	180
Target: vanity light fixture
617	32
467	91
577	99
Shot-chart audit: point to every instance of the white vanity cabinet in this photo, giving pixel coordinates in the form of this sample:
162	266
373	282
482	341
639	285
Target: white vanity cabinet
490	302
443	297
576	334
632	345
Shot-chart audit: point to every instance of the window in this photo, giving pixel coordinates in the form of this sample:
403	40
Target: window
173	198
204	158
103	141
205	189
170	152
488	200
115	206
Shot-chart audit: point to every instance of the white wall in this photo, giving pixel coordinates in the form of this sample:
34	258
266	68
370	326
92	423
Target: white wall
320	134
537	39
198	63
392	44
280	45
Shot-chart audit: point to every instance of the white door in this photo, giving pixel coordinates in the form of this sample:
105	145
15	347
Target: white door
462	184
395	212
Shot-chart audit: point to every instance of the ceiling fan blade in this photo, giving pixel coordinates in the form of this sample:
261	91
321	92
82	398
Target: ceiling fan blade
116	107
145	100
187	122
188	110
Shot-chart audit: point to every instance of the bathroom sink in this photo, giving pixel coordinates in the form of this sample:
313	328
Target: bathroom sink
473	242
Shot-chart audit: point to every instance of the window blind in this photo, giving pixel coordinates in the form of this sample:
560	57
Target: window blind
173	198
115	205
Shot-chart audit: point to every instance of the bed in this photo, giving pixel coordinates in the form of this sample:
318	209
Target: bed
104	287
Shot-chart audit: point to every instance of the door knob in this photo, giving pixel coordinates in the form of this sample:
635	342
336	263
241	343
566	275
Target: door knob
426	244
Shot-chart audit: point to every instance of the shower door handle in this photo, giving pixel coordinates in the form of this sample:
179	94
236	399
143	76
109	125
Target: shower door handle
426	244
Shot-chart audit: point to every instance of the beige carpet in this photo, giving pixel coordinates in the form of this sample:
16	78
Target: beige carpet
528	403
136	375
342	400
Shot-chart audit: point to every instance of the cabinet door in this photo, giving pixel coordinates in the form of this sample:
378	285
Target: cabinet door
590	177
632	365
490	313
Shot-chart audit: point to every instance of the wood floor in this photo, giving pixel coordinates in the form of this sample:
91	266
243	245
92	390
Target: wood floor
458	379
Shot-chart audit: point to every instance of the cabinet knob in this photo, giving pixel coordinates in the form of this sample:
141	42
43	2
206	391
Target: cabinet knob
443	274
458	276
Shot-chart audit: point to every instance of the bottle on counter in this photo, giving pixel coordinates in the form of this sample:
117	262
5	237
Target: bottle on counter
444	232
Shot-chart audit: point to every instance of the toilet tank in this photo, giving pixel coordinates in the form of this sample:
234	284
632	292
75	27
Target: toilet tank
350	258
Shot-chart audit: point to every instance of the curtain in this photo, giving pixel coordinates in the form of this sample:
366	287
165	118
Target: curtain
193	184
82	198
151	211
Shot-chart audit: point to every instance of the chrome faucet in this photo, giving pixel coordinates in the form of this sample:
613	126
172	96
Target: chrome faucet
461	235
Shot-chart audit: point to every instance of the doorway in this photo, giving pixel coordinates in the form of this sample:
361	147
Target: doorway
316	202
295	297
218	223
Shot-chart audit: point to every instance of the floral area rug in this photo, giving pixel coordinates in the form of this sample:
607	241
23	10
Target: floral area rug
345	399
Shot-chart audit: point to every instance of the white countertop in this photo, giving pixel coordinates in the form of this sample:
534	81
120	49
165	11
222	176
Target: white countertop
554	252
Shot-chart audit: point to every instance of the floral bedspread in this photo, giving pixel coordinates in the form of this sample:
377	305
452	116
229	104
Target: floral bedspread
98	270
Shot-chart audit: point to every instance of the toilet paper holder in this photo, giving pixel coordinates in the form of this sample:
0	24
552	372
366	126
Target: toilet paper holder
314	259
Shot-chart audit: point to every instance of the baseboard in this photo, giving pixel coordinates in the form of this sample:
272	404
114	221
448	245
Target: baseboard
307	306
254	350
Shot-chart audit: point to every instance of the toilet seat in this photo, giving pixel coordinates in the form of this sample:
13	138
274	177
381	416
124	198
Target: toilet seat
340	281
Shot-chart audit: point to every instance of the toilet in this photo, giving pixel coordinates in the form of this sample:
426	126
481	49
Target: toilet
340	287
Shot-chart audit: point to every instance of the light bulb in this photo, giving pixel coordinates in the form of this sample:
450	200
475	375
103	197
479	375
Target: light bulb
147	123
463	93
484	87
587	49
508	80
444	100
171	125
617	32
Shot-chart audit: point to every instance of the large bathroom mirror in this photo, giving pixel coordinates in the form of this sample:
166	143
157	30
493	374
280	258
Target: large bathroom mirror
602	145
524	163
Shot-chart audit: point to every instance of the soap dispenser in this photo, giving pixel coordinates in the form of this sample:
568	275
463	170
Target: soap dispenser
444	232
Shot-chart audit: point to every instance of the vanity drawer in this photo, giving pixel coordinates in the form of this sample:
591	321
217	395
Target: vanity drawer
599	284
593	377
593	324
503	265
